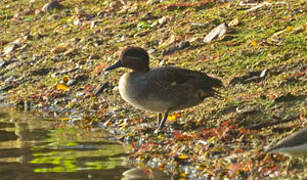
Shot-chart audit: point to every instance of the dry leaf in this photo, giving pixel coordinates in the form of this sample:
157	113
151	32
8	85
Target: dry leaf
183	156
98	69
169	41
61	87
59	49
254	43
70	52
219	31
65	79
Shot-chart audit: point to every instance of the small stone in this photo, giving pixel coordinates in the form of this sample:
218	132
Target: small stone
93	57
70	52
263	73
98	42
54	16
10	48
54	4
93	24
3	63
177	47
162	20
246	110
77	22
6	88
101	13
71	82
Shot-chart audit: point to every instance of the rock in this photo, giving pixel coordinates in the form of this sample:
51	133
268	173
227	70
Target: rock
93	57
177	47
101	13
219	31
77	22
247	110
257	78
144	173
254	76
41	72
71	82
10	48
70	52
6	87
3	63
98	42
54	4
163	20
54	16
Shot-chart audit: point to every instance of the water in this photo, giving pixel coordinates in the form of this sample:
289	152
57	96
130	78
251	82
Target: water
32	148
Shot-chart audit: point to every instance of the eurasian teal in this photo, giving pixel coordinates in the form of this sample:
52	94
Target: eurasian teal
162	89
293	145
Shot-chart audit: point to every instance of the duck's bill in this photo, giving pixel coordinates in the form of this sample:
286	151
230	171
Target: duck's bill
114	66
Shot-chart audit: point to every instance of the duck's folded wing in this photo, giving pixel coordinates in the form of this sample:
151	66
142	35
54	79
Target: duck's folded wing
172	76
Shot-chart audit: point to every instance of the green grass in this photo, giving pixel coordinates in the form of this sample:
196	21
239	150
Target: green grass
247	47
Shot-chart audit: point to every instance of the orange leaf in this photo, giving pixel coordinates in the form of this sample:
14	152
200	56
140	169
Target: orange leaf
183	156
64	119
66	79
58	49
61	87
99	68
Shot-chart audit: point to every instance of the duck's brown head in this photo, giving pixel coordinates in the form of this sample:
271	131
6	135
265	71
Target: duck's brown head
134	58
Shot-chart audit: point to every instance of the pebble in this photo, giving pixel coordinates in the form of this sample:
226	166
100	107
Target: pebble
10	48
3	63
54	4
180	46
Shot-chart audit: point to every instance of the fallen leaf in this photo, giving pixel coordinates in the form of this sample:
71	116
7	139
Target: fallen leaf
219	31
169	41
98	69
64	119
65	79
59	49
183	156
254	43
61	87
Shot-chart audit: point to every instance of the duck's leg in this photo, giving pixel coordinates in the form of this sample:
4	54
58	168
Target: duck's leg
159	117
163	121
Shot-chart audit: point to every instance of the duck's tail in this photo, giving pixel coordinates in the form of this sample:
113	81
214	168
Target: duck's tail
214	82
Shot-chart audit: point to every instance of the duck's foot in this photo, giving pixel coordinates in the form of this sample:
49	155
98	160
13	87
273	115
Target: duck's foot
159	117
161	125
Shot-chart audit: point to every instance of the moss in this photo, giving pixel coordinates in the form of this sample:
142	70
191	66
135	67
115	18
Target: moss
272	37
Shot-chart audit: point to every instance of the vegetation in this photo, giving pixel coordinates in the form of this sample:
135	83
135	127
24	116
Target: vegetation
53	60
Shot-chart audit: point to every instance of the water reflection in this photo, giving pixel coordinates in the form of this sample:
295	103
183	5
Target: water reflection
39	149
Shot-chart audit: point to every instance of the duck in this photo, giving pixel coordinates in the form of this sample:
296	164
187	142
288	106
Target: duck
162	89
293	145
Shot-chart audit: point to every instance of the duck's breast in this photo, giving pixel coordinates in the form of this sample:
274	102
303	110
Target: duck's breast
139	92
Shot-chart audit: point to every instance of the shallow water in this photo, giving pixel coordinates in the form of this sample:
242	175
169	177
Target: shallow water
32	148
